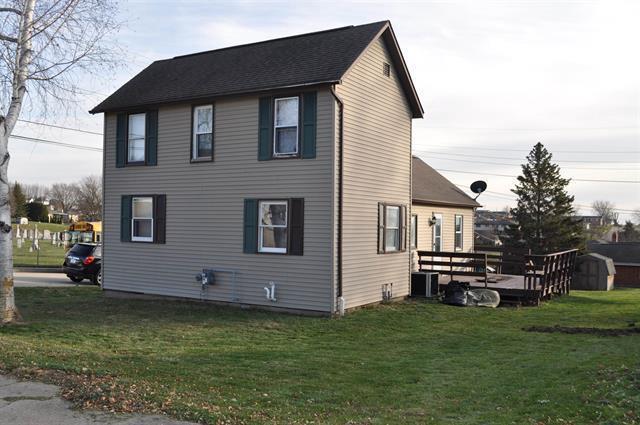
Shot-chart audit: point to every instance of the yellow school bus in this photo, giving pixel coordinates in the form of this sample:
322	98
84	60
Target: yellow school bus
83	231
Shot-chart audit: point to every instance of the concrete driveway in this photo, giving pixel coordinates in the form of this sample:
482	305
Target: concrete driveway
34	403
43	280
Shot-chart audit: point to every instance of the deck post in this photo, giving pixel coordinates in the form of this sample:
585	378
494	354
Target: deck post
486	272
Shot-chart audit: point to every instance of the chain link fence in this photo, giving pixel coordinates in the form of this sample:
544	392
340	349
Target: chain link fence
38	248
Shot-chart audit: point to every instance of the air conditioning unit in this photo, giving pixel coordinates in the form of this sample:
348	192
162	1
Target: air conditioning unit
424	284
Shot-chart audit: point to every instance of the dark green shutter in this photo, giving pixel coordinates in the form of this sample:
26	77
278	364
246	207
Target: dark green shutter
121	140
159	218
250	226
403	228
296	226
125	218
309	113
380	228
265	125
151	138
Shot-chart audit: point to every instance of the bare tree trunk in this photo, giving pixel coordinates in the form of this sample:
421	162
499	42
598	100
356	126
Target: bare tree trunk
23	59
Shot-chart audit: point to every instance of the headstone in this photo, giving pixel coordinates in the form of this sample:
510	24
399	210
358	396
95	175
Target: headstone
34	246
19	243
24	220
46	234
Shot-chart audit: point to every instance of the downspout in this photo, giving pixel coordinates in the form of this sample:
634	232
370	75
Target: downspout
340	193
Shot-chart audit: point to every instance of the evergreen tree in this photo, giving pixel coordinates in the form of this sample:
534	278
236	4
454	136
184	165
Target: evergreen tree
544	211
37	211
19	205
630	233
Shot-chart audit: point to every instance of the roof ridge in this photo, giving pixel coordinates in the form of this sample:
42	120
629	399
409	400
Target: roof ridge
272	39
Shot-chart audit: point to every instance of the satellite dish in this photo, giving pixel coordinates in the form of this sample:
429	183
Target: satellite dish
478	187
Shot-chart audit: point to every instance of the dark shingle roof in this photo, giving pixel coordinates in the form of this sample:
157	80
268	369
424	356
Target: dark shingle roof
620	252
431	187
308	59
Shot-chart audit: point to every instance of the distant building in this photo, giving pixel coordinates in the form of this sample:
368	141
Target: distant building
489	225
626	259
600	229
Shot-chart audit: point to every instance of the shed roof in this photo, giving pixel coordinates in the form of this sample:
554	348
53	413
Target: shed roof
620	252
303	60
431	187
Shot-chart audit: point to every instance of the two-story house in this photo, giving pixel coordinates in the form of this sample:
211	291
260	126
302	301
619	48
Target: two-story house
283	166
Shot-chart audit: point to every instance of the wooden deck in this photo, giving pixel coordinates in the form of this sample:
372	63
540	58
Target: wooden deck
511	288
543	276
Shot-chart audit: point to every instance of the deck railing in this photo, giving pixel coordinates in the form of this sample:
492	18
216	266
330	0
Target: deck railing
505	260
551	273
454	263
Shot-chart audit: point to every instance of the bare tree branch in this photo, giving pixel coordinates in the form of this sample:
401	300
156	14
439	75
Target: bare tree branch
7	38
11	9
57	43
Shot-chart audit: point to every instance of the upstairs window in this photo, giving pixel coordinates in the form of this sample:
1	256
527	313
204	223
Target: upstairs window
202	143
285	129
142	219
458	233
136	138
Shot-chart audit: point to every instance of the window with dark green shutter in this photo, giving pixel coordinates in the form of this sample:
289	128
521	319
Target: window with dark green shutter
137	139
250	245
287	126
121	140
309	125
125	218
143	218
274	226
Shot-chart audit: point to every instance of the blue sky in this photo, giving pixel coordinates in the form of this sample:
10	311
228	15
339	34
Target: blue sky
494	77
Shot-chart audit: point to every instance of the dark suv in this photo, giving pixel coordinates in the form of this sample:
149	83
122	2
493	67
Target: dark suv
84	261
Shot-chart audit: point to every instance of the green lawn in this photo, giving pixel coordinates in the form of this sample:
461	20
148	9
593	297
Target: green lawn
53	227
48	255
403	363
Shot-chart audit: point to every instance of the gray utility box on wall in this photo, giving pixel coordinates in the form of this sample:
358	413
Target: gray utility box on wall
594	272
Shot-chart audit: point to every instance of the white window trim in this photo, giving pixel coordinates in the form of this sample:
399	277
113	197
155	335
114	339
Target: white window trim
194	140
275	127
433	238
413	231
144	139
261	226
397	247
455	232
133	218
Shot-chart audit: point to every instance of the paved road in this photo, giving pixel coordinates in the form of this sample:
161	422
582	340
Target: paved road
43	280
34	403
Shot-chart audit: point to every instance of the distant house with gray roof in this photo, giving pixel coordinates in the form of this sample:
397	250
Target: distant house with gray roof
442	214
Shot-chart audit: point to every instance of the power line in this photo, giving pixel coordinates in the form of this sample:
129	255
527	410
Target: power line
62	127
520	159
532	129
518	165
528	150
512	197
510	175
61	144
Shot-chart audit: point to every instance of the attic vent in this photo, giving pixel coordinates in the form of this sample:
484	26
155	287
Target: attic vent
386	69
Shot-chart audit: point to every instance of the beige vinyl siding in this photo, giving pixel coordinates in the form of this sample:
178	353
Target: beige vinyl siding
204	215
377	168
425	232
